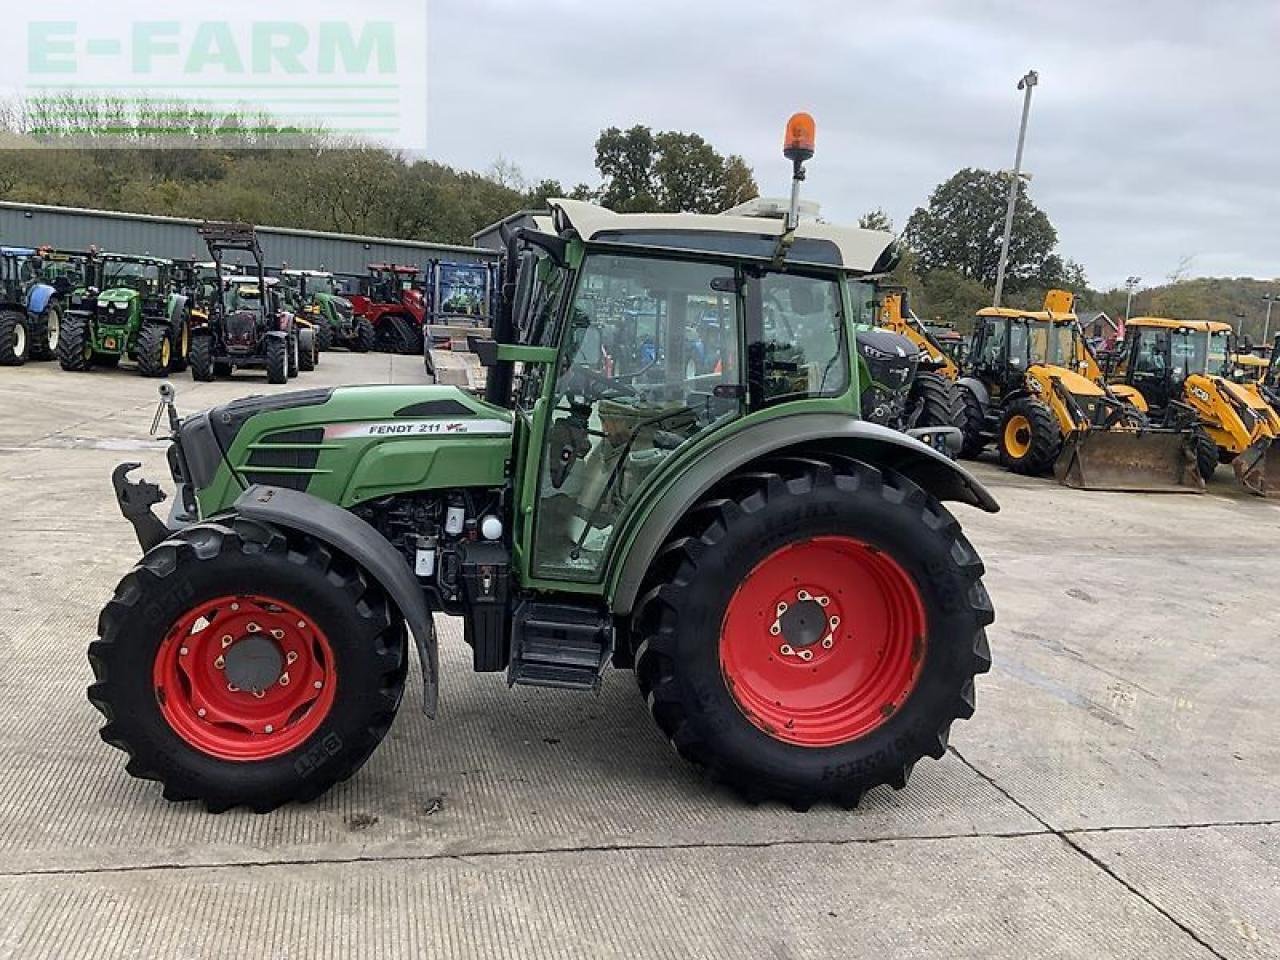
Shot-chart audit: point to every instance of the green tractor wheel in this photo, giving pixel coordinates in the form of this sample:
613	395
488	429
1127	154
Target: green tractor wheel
15	344
75	344
155	351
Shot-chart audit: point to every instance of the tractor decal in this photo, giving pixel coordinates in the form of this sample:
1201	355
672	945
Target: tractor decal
417	428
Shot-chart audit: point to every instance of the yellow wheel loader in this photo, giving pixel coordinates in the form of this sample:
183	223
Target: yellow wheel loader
1033	388
1180	366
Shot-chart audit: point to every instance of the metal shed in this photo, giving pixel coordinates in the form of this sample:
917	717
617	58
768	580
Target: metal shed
71	228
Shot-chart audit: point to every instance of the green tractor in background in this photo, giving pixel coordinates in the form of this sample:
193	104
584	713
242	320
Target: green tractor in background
131	309
316	296
803	616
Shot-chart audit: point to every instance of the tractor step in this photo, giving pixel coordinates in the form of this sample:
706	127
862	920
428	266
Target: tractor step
558	645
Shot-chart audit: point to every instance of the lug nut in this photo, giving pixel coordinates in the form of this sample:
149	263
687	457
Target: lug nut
252	627
220	662
235	606
291	656
270	729
182	651
284	679
302	624
201	712
226	640
278	634
318	685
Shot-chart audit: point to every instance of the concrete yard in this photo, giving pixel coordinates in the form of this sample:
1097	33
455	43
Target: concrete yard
1116	795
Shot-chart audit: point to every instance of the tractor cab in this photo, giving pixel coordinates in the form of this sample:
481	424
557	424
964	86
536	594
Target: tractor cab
388	283
30	308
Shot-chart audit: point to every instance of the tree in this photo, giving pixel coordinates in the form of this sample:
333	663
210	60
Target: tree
876	219
962	228
670	172
625	161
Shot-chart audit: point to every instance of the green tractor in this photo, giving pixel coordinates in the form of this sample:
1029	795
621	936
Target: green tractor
131	309
315	295
803	616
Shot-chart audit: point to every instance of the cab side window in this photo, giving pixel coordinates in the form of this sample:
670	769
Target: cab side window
797	341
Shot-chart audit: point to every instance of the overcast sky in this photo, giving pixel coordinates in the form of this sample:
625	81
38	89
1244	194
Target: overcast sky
1155	131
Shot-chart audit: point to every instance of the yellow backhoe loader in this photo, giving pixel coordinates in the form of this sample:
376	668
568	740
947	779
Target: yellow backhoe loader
1033	387
1182	365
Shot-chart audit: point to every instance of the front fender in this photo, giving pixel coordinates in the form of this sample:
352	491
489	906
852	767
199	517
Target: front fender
177	307
347	533
977	388
808	432
39	297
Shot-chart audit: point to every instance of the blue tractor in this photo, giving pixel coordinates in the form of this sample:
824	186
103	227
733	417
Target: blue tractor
30	310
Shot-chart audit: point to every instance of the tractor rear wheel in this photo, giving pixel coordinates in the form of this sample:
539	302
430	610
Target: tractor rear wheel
1206	455
365	338
277	352
294	356
942	404
324	336
75	347
15	344
1029	439
306	350
45	347
155	351
812	630
201	359
240	665
973	423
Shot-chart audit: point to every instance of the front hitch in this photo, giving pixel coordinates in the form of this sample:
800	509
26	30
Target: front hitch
136	498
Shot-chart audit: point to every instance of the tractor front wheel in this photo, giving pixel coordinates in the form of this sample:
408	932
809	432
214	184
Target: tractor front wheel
238	665
324	336
306	350
813	630
294	356
75	346
1029	440
45	347
201	359
1206	455
15	344
155	351
366	337
973	423
277	351
941	401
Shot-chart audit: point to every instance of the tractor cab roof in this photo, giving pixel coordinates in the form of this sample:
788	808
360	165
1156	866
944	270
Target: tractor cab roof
17	251
248	280
748	231
1041	316
394	268
1197	326
306	273
135	258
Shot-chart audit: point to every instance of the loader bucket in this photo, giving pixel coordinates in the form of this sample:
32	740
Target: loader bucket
1258	468
1153	461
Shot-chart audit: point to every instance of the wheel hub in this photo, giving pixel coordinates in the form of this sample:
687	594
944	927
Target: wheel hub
823	641
253	663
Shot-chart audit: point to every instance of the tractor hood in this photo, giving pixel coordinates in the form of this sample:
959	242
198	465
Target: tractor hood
118	295
1076	384
346	445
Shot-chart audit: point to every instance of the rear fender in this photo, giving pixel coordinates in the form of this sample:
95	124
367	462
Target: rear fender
794	435
39	297
347	533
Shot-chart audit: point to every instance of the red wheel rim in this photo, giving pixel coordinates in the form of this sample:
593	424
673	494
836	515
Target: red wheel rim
823	641
286	658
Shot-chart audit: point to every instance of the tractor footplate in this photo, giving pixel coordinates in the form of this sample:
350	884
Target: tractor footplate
136	498
557	645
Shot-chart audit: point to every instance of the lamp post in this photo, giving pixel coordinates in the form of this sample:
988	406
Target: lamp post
1025	84
1131	282
1269	299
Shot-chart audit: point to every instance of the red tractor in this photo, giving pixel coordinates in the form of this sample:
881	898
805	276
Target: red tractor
390	299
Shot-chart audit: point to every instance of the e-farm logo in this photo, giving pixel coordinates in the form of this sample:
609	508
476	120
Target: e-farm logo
334	70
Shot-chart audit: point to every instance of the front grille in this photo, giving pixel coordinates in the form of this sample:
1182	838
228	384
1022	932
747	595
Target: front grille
241	327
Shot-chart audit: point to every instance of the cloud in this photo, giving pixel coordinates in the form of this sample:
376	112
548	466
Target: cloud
1154	132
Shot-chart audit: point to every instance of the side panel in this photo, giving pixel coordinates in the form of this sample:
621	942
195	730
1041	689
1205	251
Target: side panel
838	433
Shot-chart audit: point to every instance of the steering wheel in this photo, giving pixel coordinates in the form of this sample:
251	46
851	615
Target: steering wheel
604	386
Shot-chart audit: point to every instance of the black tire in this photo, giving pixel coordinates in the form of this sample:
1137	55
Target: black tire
154	341
45	346
942	404
201	359
324	335
181	344
366	337
409	336
75	346
677	639
277	354
223	368
1039	433
235	558
15	339
973	423
307	350
1206	455
294	356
